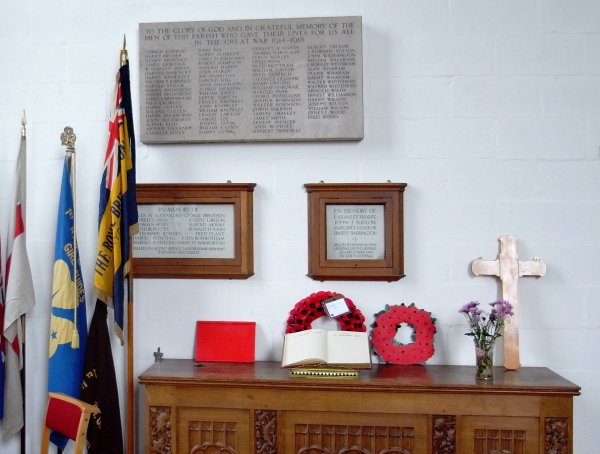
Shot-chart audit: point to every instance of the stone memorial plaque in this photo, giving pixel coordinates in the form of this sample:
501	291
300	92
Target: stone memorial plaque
355	232
251	80
185	231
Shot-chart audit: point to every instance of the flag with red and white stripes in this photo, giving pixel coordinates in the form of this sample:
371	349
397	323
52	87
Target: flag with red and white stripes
19	300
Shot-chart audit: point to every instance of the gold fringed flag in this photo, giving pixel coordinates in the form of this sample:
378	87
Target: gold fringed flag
118	208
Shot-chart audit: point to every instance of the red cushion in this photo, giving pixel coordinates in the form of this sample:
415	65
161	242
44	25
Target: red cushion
63	417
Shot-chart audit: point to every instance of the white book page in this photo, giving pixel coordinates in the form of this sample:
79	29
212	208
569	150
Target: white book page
305	345
348	347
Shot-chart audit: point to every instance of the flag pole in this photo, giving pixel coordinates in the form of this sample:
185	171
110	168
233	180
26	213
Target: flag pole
68	139
123	58
130	387
23	371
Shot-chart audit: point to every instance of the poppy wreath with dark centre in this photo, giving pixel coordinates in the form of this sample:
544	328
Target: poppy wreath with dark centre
386	326
309	309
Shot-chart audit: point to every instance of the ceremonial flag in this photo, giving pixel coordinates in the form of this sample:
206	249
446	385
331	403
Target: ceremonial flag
68	322
99	388
118	207
1	337
19	300
118	219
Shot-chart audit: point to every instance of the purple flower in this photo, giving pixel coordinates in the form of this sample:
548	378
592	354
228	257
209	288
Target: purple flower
471	309
486	327
501	309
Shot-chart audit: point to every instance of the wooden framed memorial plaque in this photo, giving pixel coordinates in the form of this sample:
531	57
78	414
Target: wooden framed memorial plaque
355	231
194	231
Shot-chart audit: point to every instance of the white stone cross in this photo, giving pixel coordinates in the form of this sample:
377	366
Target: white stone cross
509	269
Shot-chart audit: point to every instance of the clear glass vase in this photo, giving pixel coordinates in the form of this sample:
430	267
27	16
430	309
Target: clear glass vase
484	359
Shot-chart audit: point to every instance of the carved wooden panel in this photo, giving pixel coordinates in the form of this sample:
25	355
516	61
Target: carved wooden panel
265	426
499	441
350	439
443	434
213	431
556	437
499	435
160	430
212	437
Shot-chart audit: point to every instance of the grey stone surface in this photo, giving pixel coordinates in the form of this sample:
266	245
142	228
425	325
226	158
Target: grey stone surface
185	231
355	232
251	80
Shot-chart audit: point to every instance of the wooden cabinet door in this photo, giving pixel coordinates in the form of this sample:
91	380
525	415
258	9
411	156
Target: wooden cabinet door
352	433
498	435
213	430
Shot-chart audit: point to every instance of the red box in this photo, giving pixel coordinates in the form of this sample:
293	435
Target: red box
225	341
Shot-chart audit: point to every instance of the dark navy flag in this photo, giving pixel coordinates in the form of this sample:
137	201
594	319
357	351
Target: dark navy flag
99	388
68	322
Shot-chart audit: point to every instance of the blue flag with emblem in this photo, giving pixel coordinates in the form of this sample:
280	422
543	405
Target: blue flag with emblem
68	321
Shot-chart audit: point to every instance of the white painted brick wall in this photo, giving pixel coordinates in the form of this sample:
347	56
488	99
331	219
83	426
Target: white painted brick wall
488	109
443	55
539	54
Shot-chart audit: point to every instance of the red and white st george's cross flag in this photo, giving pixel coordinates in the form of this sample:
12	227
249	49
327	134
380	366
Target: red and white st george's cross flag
19	300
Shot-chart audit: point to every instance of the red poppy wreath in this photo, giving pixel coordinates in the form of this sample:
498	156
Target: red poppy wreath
311	308
386	326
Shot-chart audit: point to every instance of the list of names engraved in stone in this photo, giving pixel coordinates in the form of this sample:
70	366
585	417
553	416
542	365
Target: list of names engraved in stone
330	83
355	232
168	83
276	96
219	105
271	79
185	231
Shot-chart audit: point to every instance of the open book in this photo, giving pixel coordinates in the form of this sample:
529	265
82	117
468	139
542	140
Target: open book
334	348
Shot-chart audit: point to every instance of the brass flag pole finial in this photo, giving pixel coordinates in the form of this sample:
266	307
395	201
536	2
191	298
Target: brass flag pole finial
23	124
68	138
124	56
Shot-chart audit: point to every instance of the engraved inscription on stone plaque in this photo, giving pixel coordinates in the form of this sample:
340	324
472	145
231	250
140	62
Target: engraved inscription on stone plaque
355	232
185	231
251	80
